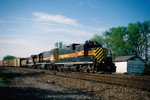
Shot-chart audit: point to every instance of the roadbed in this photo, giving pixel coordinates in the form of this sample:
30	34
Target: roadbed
25	83
20	84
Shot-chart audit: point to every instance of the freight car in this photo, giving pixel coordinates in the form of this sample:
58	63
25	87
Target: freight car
17	62
24	62
87	57
1	63
6	63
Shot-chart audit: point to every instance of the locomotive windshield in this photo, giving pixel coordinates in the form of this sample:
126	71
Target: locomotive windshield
91	44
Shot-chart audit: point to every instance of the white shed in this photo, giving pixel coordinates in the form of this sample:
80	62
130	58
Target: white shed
129	65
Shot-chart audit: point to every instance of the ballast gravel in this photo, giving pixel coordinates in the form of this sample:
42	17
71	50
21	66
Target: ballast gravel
26	86
32	84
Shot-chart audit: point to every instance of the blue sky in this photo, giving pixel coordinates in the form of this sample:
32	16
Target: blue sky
33	26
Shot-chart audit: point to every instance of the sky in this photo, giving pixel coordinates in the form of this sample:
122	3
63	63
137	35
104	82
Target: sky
32	26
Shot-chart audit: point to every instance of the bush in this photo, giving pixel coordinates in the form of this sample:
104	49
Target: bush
147	69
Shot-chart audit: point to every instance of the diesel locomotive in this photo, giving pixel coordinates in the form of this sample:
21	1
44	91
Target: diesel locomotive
87	57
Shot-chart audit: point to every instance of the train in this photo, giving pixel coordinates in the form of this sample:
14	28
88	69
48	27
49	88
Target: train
17	62
86	57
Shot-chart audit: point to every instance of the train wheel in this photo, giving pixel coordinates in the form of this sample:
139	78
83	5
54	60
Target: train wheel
85	68
78	68
62	68
38	67
89	69
81	68
35	67
49	67
59	68
95	69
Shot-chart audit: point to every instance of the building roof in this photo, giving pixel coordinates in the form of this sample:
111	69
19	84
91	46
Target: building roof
124	58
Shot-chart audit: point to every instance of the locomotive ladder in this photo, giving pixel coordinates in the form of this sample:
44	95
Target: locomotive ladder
55	55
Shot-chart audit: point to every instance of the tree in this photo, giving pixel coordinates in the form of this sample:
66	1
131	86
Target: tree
118	40
8	57
98	38
135	39
131	40
146	35
104	41
59	45
107	41
139	38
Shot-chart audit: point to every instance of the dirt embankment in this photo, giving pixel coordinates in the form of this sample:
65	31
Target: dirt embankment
24	84
30	83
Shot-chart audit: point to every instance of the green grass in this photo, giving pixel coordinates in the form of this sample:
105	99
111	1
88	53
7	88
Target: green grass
3	74
6	71
1	81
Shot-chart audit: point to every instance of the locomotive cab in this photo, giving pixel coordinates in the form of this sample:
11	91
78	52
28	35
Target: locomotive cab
90	46
99	56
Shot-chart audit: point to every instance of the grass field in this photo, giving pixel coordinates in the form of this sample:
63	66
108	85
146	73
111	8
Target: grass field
1	81
3	74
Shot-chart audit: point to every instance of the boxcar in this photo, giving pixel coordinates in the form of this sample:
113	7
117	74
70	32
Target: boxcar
13	63
1	63
24	63
9	63
6	63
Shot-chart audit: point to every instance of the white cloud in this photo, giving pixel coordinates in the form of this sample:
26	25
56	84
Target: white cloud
55	18
68	31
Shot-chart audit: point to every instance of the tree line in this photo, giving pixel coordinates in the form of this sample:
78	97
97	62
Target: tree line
9	57
133	39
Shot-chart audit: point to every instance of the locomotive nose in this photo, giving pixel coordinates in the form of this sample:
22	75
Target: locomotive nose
100	54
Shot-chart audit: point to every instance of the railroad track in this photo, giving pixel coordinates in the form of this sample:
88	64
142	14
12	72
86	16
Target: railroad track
137	83
121	76
141	82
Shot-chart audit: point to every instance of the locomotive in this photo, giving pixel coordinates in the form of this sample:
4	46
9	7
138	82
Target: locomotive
87	57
